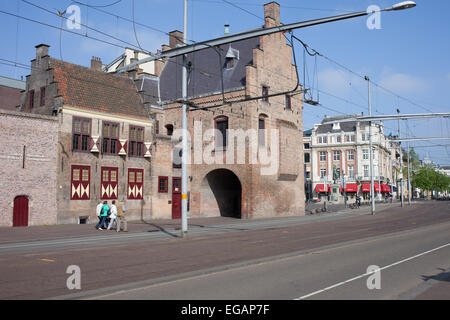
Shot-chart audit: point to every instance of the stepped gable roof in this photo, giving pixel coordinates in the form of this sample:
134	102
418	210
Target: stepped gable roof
86	88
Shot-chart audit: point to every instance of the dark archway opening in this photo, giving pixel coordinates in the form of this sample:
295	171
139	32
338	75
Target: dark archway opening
221	194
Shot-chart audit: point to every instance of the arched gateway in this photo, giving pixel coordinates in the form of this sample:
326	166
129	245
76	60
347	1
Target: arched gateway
221	194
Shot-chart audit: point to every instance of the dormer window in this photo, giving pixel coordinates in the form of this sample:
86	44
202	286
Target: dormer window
231	58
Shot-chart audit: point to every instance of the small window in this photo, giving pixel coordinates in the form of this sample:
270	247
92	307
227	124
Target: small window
307	157
221	124
42	102
306	146
262	131
265	94
288	102
169	129
163	184
229	63
323	172
31	99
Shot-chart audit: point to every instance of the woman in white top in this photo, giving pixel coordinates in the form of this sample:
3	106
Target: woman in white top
113	215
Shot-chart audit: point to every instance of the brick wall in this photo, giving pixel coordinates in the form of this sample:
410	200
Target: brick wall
34	175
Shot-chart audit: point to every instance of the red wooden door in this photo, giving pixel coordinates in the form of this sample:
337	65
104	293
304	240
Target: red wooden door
20	212
176	198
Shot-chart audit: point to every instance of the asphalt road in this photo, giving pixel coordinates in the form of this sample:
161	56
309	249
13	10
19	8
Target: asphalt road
285	258
406	259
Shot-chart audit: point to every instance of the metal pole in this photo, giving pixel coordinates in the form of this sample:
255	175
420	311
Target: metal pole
409	176
372	191
184	152
401	164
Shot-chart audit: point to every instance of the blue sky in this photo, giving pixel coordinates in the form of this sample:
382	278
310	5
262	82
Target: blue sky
408	55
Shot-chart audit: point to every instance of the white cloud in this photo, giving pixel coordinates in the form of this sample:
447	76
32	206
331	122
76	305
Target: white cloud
333	81
403	83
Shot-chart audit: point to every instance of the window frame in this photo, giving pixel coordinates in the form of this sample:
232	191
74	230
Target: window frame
324	154
338	153
166	178
31	99
110	138
265	93
42	97
131	152
81	134
135	183
352	154
288	102
109	170
80	181
218	120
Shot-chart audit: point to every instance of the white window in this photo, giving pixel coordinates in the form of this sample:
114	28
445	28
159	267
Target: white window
323	156
338	139
351	155
323	172
366	171
336	155
322	139
365	154
364	137
351	172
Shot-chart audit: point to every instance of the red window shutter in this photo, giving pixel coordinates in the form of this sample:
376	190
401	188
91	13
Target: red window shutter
135	184
109	183
80	182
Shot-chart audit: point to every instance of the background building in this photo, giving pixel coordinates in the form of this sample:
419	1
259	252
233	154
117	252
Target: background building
343	147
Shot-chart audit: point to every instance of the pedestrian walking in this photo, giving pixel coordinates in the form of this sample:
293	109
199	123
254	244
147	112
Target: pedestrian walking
121	219
112	215
98	210
103	214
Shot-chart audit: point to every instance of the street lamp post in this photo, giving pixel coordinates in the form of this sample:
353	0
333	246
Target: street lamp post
372	191
401	163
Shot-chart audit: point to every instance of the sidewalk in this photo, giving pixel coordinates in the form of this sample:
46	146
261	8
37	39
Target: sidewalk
51	232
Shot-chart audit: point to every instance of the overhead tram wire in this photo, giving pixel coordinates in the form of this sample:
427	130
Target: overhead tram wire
86	26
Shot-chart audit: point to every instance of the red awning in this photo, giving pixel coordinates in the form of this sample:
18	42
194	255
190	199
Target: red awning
321	188
385	188
365	187
376	187
351	187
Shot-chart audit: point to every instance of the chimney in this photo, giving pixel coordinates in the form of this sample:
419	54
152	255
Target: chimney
227	29
175	38
272	14
41	50
96	64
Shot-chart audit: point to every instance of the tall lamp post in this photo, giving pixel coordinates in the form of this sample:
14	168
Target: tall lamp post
401	163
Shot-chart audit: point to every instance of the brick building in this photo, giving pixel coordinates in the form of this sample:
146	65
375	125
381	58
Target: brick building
104	136
28	166
223	179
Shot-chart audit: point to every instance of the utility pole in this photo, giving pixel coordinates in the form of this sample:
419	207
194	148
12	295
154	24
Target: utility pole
372	191
409	176
184	153
401	163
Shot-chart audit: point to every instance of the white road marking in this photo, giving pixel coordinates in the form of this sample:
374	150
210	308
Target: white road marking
369	273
